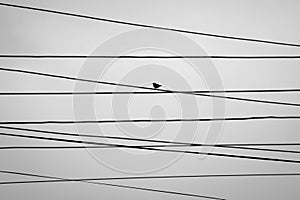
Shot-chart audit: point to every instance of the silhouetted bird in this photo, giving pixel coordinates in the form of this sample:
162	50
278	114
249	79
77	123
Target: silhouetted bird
156	85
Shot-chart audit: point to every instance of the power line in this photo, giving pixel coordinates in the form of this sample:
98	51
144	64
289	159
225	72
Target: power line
145	93
175	120
150	92
80	147
149	26
165	146
113	185
147	57
154	149
147	88
76	147
264	149
222	145
157	177
174	144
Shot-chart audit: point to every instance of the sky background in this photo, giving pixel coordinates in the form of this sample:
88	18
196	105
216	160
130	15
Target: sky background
28	32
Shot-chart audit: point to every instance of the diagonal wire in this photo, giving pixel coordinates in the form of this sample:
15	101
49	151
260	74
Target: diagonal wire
174	120
148	26
166	146
236	146
147	88
113	185
157	177
154	149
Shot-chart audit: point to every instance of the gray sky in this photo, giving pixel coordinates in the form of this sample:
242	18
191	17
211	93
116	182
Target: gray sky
28	32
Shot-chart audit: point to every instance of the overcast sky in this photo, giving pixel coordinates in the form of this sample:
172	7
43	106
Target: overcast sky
30	32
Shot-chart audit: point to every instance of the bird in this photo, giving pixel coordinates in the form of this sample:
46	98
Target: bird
156	85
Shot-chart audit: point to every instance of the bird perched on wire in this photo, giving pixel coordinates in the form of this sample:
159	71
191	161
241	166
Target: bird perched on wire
156	85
